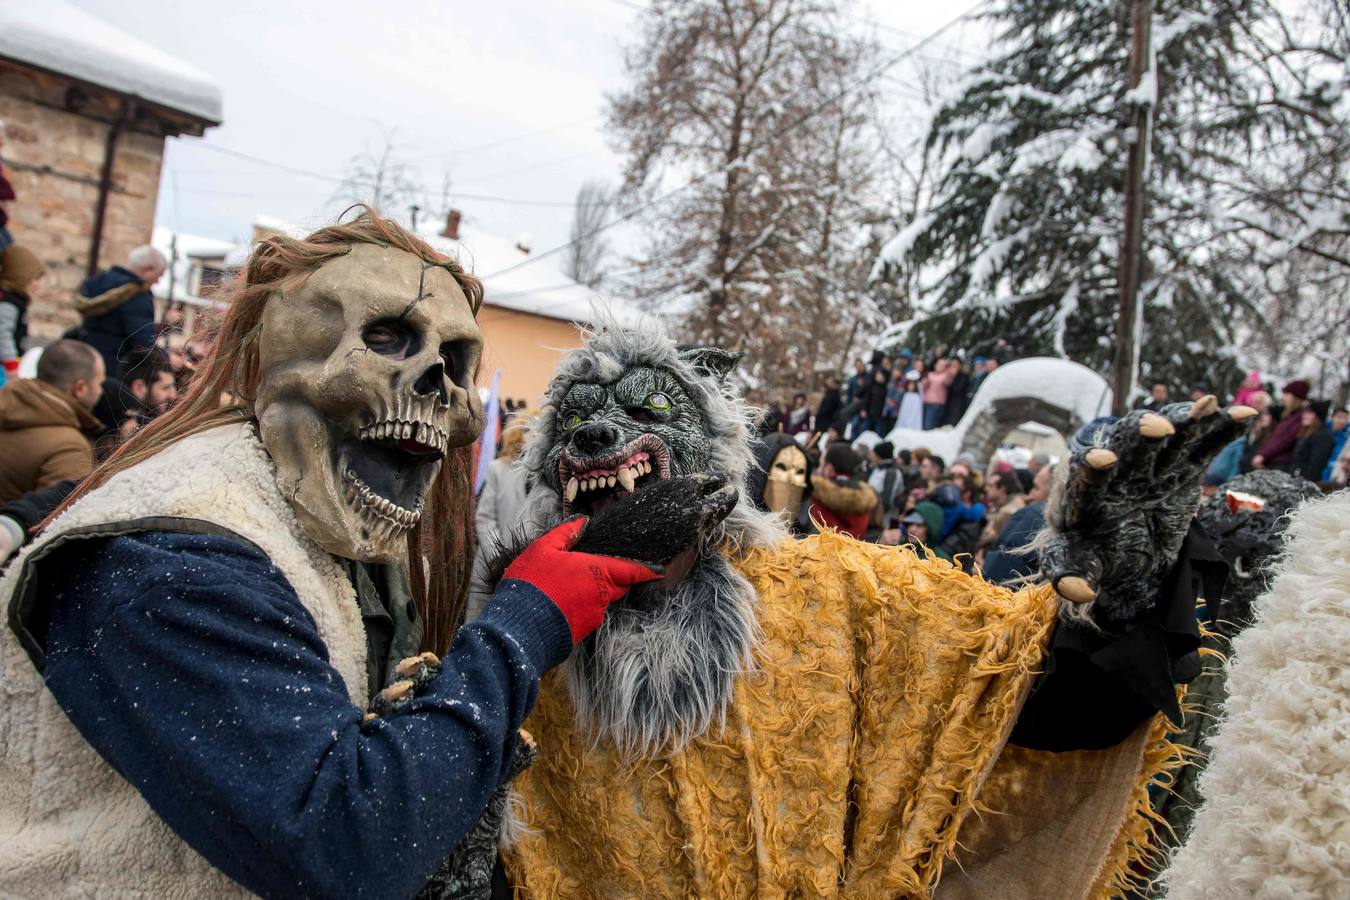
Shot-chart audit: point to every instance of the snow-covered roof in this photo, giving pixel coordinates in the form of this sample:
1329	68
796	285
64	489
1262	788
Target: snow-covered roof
182	252
539	288
56	36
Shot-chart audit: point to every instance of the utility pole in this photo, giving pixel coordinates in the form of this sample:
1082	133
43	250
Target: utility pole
412	215
1125	364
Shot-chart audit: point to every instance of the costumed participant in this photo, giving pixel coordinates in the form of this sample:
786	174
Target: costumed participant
824	717
1246	521
779	482
192	639
1275	819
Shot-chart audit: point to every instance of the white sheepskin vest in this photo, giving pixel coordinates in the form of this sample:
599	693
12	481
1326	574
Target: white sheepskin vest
1276	815
70	826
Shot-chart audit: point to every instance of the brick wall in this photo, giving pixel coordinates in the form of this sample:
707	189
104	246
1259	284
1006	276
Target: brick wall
54	158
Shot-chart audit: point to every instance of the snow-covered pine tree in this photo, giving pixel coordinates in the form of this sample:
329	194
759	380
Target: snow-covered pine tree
1021	238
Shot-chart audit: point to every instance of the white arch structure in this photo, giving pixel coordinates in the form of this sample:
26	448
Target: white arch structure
1054	392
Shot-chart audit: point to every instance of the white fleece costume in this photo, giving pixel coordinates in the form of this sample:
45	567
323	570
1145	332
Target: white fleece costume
70	826
1276	817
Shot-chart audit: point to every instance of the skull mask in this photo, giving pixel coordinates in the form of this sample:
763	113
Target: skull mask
366	382
786	482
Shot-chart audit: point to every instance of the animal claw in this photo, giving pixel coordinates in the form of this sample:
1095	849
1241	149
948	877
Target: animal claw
1152	425
1101	458
1240	413
1204	407
1075	589
396	691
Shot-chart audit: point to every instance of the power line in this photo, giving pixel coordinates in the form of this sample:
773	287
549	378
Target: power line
333	179
796	123
508	140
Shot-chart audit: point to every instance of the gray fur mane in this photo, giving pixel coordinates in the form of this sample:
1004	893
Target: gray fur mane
660	669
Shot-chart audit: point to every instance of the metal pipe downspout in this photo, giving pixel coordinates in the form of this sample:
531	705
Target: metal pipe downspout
105	182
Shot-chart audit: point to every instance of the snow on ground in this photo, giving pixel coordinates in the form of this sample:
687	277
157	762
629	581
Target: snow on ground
1060	382
54	35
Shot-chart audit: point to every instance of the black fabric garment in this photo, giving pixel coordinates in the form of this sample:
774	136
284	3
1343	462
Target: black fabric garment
958	398
34	506
1098	686
393	629
876	400
1311	453
828	411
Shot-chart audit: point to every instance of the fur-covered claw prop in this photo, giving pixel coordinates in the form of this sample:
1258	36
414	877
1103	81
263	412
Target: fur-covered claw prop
1122	509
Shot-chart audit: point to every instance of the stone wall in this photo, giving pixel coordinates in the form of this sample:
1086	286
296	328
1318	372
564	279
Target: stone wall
54	158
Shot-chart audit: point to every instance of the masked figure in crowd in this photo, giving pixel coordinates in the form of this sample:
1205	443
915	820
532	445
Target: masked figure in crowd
823	717
780	480
192	640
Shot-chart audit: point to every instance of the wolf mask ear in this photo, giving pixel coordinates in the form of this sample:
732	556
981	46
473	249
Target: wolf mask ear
711	361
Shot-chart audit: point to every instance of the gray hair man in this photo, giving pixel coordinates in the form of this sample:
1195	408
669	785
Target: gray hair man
118	308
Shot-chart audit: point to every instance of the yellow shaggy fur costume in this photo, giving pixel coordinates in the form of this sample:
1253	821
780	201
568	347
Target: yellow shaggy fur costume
863	753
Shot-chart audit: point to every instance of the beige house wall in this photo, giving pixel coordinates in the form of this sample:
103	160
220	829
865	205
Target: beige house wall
525	347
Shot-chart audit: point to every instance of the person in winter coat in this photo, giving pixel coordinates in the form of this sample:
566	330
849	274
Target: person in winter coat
1004	496
1278	450
838	499
797	418
876	402
502	501
886	479
1315	443
1006	563
45	423
895	391
19	271
118	308
827	412
935	386
1251	385
958	395
1339	426
911	404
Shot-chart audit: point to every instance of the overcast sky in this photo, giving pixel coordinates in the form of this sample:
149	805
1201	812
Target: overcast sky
506	97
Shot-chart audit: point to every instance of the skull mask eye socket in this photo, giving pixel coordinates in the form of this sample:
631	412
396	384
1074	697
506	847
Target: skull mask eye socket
394	338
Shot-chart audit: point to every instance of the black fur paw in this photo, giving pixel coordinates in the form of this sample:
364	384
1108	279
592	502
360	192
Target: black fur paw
659	522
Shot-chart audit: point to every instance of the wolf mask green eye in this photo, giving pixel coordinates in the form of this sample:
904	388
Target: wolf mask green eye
571	422
658	401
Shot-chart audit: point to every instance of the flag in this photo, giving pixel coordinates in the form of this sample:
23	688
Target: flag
487	441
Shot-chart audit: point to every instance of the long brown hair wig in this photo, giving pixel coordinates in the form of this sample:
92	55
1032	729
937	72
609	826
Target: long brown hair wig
224	388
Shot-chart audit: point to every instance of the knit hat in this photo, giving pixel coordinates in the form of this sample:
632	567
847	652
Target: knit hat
1320	408
1299	388
19	268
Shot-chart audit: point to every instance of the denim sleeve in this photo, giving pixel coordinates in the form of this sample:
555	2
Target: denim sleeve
190	665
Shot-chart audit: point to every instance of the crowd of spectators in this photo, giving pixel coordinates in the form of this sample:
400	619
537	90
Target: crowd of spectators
104	380
1298	433
906	390
961	512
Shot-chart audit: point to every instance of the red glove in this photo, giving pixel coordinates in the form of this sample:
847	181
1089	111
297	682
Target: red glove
11	369
581	585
